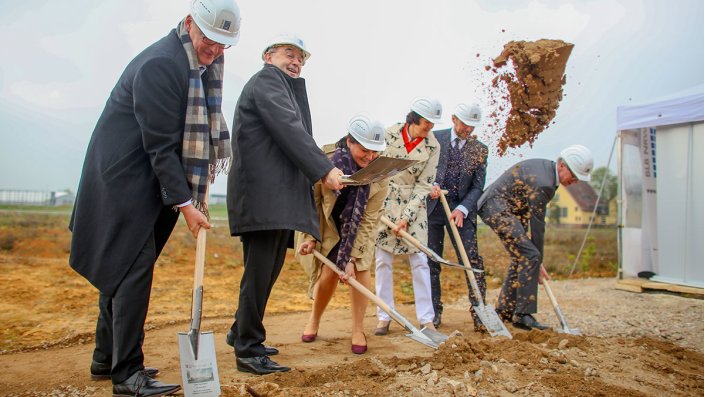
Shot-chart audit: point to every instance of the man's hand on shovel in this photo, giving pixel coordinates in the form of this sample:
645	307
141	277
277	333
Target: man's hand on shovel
543	275
194	219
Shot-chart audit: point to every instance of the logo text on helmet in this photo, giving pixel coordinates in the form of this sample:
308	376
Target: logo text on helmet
226	25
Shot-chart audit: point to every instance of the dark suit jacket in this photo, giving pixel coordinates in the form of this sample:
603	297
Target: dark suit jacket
473	177
276	162
524	191
133	166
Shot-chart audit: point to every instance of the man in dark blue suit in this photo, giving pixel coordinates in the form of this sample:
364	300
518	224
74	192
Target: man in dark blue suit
461	170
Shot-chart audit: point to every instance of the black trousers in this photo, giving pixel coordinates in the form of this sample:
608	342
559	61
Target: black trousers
264	253
437	225
119	330
520	288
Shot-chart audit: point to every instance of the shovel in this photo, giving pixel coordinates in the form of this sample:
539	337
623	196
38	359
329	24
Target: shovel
564	324
416	243
486	313
199	370
428	337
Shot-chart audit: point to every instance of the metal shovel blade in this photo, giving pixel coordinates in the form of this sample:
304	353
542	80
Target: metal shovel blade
195	330
572	331
415	334
434	335
490	319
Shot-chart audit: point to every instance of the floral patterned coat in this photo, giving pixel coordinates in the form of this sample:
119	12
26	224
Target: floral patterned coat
408	190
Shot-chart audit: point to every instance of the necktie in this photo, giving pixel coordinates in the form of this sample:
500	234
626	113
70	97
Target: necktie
456	142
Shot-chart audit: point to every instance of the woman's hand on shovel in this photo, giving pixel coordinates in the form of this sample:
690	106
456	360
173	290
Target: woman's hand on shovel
307	247
349	271
194	219
402	224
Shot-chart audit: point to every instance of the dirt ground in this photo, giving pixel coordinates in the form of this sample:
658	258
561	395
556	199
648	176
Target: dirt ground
633	345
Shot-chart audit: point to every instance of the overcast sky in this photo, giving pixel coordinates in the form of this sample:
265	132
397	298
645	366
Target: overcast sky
62	58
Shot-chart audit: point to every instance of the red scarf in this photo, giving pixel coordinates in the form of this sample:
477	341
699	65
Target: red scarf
408	143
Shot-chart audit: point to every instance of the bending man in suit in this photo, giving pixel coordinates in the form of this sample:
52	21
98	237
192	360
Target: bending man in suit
461	170
159	141
514	206
276	164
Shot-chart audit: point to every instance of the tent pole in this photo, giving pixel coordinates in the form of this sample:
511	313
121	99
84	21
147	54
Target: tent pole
594	209
620	198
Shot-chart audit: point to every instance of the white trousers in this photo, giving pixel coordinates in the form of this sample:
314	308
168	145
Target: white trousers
421	277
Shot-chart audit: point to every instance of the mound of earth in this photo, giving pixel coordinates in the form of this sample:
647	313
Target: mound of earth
535	87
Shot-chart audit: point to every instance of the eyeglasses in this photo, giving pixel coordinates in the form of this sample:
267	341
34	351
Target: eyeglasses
210	42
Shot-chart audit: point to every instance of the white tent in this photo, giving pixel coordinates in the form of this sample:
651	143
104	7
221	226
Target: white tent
661	188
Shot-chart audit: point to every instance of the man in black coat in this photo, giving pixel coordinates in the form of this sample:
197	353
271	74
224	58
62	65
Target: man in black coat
276	164
514	206
137	177
461	170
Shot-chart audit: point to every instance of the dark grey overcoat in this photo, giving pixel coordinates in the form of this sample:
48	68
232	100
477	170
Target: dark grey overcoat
132	172
276	162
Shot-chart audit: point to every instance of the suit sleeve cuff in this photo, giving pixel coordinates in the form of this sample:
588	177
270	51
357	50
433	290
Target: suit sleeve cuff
462	209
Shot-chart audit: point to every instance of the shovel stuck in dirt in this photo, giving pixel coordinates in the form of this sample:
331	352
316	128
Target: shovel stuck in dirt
199	370
489	318
416	243
428	337
565	329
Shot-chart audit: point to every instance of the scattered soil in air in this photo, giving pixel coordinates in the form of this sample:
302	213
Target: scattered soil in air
535	88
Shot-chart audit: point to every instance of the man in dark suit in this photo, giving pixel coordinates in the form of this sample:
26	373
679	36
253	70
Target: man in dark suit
461	171
276	164
159	141
514	206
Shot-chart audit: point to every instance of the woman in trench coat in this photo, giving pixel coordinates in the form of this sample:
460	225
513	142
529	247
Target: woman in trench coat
348	220
406	207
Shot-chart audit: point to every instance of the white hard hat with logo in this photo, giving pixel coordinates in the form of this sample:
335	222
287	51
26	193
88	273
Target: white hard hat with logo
470	115
287	39
368	132
219	20
428	108
578	158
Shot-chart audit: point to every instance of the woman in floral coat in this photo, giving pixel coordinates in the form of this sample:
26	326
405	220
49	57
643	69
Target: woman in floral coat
406	207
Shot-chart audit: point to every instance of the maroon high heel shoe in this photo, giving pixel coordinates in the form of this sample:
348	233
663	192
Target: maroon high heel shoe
309	338
359	349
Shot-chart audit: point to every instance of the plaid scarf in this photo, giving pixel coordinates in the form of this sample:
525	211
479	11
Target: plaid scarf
206	146
351	216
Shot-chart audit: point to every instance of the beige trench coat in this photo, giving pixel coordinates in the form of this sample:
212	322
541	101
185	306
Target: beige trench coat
408	190
363	248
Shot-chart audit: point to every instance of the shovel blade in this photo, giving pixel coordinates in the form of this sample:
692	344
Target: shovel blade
490	319
571	331
423	339
199	376
434	335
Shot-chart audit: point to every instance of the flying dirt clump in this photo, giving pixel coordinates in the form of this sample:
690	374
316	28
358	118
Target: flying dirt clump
535	87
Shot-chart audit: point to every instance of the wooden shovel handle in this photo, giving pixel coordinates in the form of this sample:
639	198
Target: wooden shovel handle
403	233
459	243
354	283
200	262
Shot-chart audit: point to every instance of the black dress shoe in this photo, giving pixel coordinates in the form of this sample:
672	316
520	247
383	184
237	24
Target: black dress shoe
261	365
437	320
141	385
101	371
268	350
526	321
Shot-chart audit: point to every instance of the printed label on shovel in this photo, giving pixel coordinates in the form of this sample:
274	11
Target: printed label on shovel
199	377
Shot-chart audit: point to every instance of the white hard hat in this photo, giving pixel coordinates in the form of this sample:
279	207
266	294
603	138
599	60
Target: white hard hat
219	20
578	158
287	39
470	115
428	108
367	132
